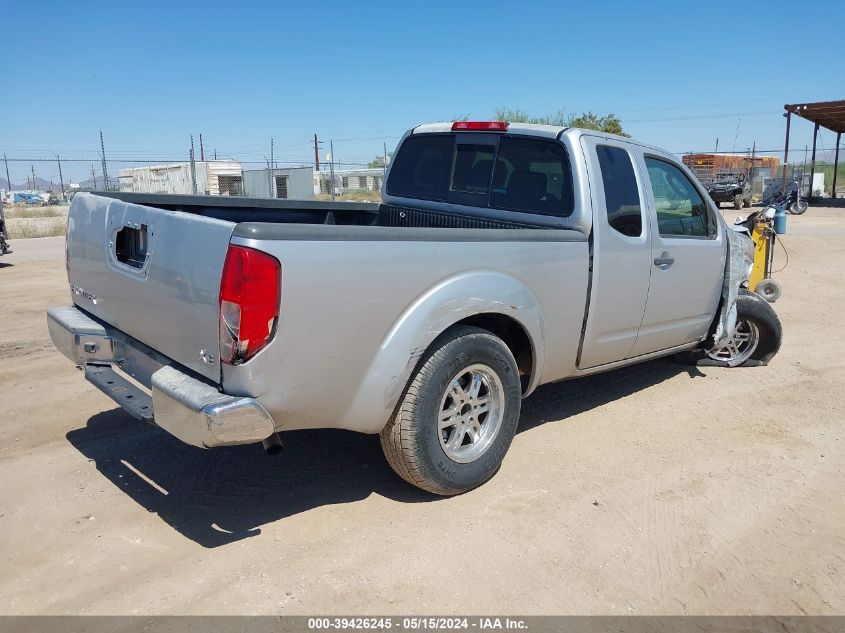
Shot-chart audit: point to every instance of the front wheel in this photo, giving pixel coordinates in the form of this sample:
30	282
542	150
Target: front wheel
738	201
797	208
756	337
458	416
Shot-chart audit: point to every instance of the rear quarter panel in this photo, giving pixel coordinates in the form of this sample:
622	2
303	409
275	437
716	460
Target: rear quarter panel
356	316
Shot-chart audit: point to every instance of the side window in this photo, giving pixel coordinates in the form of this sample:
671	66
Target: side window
421	168
473	164
621	195
533	176
680	209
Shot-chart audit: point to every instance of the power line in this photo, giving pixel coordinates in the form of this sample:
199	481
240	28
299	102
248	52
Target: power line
703	116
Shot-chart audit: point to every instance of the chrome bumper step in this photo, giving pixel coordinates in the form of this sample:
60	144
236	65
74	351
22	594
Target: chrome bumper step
135	401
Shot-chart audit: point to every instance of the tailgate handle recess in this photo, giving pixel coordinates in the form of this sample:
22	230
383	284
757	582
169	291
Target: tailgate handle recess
130	245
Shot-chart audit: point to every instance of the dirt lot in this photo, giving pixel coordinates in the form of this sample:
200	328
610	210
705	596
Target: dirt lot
647	490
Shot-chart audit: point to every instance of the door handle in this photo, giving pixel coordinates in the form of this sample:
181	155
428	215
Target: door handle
664	262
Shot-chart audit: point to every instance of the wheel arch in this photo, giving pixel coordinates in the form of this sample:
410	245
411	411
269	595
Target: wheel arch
513	334
491	300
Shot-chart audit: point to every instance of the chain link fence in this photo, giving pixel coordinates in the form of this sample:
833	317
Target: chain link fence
43	180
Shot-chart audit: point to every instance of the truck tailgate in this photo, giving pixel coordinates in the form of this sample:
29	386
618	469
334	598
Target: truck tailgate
152	273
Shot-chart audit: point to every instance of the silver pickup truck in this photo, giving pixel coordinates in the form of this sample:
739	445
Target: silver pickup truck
502	257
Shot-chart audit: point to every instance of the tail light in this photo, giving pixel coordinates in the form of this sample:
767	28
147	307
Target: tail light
489	126
249	303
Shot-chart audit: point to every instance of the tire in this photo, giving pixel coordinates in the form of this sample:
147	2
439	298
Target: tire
769	289
746	203
434	457
756	313
738	201
797	208
751	307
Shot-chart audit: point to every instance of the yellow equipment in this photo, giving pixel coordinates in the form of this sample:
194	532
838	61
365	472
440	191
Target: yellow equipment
760	280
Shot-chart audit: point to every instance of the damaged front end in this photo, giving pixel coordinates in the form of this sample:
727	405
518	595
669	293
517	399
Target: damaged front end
739	261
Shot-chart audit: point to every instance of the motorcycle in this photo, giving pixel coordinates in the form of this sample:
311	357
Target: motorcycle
791	200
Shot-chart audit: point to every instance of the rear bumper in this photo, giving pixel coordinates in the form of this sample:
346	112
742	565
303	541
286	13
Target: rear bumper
188	408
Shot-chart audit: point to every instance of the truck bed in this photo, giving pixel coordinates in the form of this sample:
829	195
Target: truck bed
233	209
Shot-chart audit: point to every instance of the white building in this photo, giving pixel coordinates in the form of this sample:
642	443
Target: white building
213	177
369	179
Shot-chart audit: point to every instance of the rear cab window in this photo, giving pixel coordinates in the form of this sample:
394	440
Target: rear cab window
507	172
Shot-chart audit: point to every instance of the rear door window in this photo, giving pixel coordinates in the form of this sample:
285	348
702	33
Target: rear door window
621	194
421	168
532	175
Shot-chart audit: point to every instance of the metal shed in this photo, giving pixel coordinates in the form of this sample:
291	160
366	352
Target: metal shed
213	177
293	183
826	114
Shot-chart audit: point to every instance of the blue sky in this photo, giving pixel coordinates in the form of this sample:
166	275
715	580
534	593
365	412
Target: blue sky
150	74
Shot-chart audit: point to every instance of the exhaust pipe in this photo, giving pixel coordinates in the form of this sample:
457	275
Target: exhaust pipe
273	444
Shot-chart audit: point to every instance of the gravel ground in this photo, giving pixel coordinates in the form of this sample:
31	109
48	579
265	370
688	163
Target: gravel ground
649	490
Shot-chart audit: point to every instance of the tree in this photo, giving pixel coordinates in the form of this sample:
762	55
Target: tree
608	123
378	161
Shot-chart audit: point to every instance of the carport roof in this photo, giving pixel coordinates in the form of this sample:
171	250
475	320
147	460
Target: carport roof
827	114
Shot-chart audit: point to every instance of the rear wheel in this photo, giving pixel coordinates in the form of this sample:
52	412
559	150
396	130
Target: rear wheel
458	416
746	202
738	201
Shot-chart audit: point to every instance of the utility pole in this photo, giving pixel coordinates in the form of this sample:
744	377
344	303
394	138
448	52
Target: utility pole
384	166
8	180
715	157
193	168
61	179
331	165
316	153
269	179
738	121
32	167
93	176
750	173
272	161
215	154
103	156
28	184
202	150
